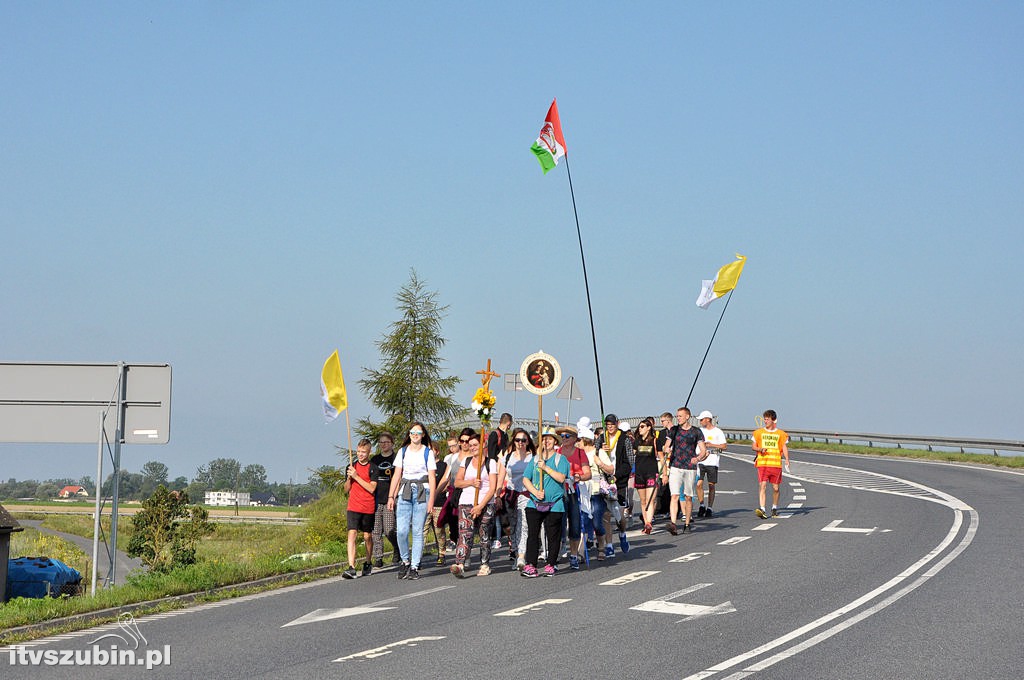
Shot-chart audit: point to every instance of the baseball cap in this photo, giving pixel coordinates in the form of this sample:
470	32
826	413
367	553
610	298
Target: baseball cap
705	414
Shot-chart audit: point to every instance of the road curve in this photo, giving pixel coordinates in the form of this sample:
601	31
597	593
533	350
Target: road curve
879	568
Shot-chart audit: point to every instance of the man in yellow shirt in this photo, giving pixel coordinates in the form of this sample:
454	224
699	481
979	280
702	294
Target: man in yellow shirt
769	451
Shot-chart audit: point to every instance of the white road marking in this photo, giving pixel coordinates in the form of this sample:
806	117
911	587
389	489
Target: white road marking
387	649
734	540
799	498
328	614
519	611
664	605
795	505
691	557
834	526
729	492
764	527
629	578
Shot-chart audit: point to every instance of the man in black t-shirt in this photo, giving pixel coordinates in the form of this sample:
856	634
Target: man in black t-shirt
382	466
686	449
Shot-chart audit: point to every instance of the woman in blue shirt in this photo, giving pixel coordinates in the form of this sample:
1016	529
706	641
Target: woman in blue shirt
543	480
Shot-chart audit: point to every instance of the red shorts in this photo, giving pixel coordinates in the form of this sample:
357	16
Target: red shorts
772	475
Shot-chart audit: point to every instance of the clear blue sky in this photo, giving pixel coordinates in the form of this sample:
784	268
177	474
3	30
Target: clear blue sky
237	189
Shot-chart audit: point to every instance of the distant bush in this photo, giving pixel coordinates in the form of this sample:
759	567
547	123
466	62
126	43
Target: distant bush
327	523
167	530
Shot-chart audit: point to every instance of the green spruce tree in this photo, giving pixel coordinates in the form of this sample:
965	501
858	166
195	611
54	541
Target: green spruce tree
409	385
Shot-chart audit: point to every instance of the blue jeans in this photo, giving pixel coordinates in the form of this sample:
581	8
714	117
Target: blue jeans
599	505
410	516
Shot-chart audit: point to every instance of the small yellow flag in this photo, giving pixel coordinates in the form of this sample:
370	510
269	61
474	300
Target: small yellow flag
729	275
725	280
332	388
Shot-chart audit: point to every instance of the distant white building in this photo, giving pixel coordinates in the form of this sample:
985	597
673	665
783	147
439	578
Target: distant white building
226	498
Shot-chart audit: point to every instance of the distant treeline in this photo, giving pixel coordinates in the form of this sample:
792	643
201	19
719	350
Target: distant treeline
220	474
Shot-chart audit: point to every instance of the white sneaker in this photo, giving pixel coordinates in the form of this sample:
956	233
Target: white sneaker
484	570
496	544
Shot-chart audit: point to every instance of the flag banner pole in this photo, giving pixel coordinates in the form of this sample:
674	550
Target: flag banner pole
348	428
540	431
709	348
487	402
480	461
586	284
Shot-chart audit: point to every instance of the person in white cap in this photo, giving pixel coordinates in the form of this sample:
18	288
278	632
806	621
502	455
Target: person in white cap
715	442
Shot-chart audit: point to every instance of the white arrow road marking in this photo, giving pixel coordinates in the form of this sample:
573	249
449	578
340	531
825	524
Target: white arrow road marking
734	540
327	614
519	611
834	526
386	649
729	492
662	605
629	578
691	557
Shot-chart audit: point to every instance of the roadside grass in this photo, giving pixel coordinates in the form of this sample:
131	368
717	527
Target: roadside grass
234	554
79	525
33	543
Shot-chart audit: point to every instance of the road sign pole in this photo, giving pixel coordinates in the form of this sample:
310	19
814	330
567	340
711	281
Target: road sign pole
118	436
96	520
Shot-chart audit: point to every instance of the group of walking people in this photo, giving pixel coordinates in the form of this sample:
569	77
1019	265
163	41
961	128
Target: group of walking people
572	491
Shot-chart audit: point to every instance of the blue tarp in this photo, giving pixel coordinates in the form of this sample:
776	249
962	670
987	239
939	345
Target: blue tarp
40	577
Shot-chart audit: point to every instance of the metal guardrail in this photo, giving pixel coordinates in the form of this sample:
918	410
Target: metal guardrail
930	443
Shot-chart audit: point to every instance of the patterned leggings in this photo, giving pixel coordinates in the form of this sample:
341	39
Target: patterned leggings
467	527
439	530
383	523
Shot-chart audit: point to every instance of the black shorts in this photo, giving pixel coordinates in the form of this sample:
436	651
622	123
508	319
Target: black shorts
646	476
360	521
709	472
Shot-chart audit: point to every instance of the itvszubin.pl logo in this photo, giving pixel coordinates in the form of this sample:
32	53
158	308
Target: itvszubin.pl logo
124	648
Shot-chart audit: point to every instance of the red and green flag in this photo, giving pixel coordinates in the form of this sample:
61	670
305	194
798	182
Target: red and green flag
550	144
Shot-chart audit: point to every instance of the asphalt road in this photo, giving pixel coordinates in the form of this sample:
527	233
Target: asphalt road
881	569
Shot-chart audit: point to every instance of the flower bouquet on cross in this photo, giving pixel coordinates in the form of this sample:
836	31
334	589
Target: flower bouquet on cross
483	404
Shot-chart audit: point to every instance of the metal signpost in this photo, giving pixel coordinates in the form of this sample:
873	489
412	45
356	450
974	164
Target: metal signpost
513	384
570	392
80	403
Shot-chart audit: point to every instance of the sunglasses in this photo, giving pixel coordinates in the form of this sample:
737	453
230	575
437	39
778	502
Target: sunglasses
415	431
521	440
566	435
465	441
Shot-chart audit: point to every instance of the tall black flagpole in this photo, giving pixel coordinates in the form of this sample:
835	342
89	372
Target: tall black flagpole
709	348
586	284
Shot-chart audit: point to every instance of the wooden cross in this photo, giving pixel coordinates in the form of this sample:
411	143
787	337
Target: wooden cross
486	375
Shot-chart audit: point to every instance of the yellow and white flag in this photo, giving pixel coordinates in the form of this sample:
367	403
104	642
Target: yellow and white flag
724	281
332	388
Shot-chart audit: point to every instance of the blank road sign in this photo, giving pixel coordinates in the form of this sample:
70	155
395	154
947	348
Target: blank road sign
62	402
